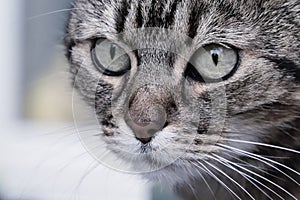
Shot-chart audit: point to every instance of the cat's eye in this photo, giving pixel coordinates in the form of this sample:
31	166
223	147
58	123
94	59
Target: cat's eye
212	63
109	58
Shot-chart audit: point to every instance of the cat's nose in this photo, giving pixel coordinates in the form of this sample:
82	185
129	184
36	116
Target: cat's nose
146	126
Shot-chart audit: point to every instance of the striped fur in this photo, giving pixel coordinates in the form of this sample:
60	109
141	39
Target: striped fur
238	138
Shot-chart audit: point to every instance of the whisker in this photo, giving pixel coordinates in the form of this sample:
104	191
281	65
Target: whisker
217	179
205	181
257	168
86	153
263	144
267	159
58	131
247	177
230	178
192	189
88	172
50	154
203	178
56	12
245	163
260	176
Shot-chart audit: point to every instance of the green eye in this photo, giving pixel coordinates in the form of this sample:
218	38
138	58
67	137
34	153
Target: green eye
213	63
109	58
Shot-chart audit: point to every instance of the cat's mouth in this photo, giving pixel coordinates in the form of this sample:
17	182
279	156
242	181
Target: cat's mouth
112	131
168	146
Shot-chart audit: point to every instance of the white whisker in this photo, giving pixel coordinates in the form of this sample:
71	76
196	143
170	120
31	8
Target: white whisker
272	166
205	181
266	159
217	179
247	177
89	171
242	162
230	178
263	144
260	176
55	12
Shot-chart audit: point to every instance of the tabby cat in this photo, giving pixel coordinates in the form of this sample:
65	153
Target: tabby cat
199	95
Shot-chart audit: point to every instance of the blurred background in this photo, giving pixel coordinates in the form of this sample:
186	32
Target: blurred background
41	156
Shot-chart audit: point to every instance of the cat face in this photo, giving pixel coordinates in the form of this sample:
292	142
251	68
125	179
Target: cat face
178	83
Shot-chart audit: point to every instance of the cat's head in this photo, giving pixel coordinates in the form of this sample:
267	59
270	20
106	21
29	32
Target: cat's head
178	82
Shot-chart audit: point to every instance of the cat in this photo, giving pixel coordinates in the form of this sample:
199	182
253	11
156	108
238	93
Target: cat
201	96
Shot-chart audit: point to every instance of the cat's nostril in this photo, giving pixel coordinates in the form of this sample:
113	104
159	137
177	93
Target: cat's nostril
145	132
144	140
166	124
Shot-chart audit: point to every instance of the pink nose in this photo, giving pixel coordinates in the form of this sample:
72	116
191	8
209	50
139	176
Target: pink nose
145	128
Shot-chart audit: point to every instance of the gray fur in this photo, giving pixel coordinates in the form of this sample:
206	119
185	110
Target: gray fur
259	103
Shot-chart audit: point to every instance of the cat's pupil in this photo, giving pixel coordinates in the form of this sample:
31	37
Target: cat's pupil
113	51
215	56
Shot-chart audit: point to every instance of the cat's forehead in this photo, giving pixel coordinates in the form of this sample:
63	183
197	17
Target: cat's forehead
187	18
124	14
245	24
165	13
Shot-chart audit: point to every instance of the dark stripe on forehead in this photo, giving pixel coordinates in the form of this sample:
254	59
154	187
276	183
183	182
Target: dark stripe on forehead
121	15
170	16
155	14
139	15
158	15
194	19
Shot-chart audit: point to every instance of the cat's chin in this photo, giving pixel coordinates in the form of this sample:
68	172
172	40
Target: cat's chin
176	173
144	159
